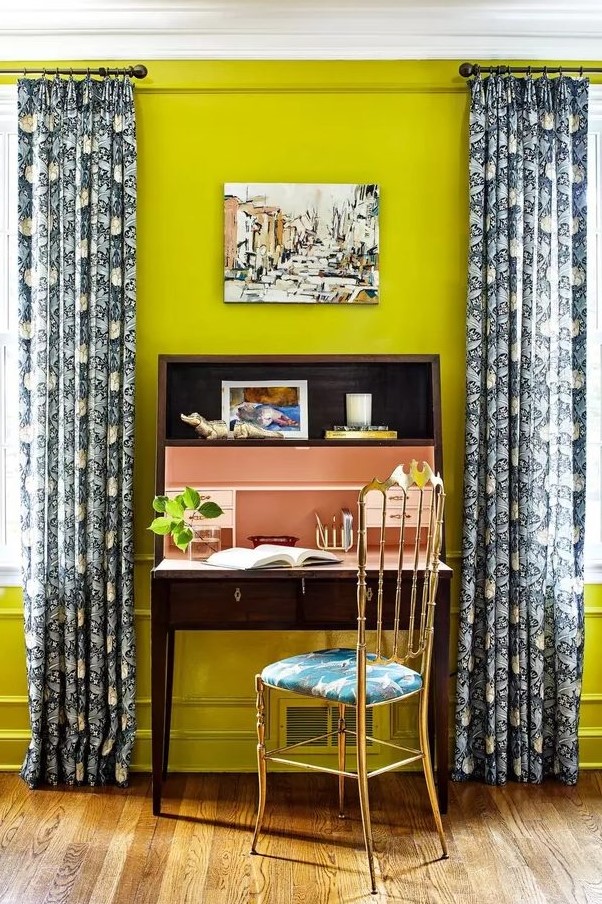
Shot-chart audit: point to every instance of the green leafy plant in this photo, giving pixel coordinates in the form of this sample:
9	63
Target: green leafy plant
179	514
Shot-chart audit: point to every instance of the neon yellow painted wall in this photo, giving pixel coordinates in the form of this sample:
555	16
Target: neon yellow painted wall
200	124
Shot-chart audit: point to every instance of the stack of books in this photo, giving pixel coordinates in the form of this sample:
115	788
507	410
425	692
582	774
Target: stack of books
369	431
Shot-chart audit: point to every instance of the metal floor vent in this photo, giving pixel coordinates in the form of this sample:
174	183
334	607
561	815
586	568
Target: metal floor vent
307	721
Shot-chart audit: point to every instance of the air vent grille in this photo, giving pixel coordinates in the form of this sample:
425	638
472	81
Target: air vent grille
307	721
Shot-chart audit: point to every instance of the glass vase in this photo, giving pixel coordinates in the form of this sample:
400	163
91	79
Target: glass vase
205	542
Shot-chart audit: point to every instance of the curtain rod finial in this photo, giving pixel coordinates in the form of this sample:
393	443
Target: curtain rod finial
139	71
467	69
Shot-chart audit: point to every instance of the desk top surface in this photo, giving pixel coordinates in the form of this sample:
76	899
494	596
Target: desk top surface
346	568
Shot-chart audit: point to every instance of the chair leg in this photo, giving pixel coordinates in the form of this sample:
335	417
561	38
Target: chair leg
342	743
362	780
427	766
261	764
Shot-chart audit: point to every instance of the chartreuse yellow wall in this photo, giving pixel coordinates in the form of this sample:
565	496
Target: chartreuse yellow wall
200	124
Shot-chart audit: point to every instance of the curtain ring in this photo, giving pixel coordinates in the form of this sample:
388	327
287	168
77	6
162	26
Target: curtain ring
560	72
581	72
529	72
545	71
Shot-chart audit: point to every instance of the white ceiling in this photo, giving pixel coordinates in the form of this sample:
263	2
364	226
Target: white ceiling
300	29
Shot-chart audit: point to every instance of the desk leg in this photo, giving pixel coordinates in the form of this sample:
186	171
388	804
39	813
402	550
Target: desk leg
159	620
441	676
169	695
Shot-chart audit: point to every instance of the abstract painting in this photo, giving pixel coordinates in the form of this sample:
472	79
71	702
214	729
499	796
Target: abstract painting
276	405
301	243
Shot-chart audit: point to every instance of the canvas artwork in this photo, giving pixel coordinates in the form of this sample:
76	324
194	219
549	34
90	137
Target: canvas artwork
275	405
301	243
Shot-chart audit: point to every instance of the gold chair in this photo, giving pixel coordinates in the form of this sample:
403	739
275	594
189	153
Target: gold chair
405	563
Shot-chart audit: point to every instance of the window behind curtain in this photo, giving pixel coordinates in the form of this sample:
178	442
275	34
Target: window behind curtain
9	425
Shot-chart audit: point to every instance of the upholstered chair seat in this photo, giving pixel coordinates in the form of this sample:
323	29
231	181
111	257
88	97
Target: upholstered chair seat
332	674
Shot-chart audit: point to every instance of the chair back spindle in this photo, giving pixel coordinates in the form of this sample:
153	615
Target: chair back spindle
413	500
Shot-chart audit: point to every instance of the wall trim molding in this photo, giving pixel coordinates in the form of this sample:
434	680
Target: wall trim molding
301	29
326	88
208	702
196	734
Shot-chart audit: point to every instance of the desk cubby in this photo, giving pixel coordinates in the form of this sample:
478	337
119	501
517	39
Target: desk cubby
275	486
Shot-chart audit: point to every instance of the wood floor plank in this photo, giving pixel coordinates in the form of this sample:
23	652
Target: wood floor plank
45	839
228	869
91	836
157	851
516	844
188	859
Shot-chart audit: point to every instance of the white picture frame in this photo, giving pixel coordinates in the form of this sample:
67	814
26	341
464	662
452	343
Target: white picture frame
276	405
301	243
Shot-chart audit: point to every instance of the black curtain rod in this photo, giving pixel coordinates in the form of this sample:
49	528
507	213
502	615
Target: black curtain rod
137	71
468	69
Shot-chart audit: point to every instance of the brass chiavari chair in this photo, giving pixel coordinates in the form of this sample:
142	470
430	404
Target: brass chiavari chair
401	563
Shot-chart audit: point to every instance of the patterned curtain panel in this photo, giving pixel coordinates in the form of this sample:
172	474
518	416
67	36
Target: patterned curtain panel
521	620
76	259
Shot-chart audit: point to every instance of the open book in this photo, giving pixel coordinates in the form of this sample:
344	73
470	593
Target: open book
268	555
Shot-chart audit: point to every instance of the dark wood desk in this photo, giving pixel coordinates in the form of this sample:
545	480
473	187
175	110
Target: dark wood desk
192	596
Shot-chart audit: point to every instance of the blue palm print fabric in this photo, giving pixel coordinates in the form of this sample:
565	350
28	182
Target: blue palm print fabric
76	260
520	648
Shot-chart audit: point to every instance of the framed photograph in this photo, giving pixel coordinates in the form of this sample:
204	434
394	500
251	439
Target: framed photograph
276	405
301	243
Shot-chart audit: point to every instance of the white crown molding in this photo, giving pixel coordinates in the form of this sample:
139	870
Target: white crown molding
300	29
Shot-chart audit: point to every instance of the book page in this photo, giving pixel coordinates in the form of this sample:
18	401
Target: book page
269	555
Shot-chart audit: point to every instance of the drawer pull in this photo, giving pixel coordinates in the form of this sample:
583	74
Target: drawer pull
238	594
396	498
397	515
205	497
369	593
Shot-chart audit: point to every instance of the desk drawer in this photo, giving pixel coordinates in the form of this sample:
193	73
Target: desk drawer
232	604
333	604
395	499
393	517
225	498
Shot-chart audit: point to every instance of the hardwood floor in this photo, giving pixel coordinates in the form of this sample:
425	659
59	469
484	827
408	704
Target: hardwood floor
513	845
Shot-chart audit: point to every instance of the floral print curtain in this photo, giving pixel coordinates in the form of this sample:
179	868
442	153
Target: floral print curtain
520	647
76	260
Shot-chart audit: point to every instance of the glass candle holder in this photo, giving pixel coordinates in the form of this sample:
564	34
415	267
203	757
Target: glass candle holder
358	409
205	542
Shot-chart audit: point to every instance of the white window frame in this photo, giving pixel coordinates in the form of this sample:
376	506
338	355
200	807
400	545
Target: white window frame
10	566
593	536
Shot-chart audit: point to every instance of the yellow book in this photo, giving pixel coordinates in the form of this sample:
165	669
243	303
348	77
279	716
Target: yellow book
360	434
